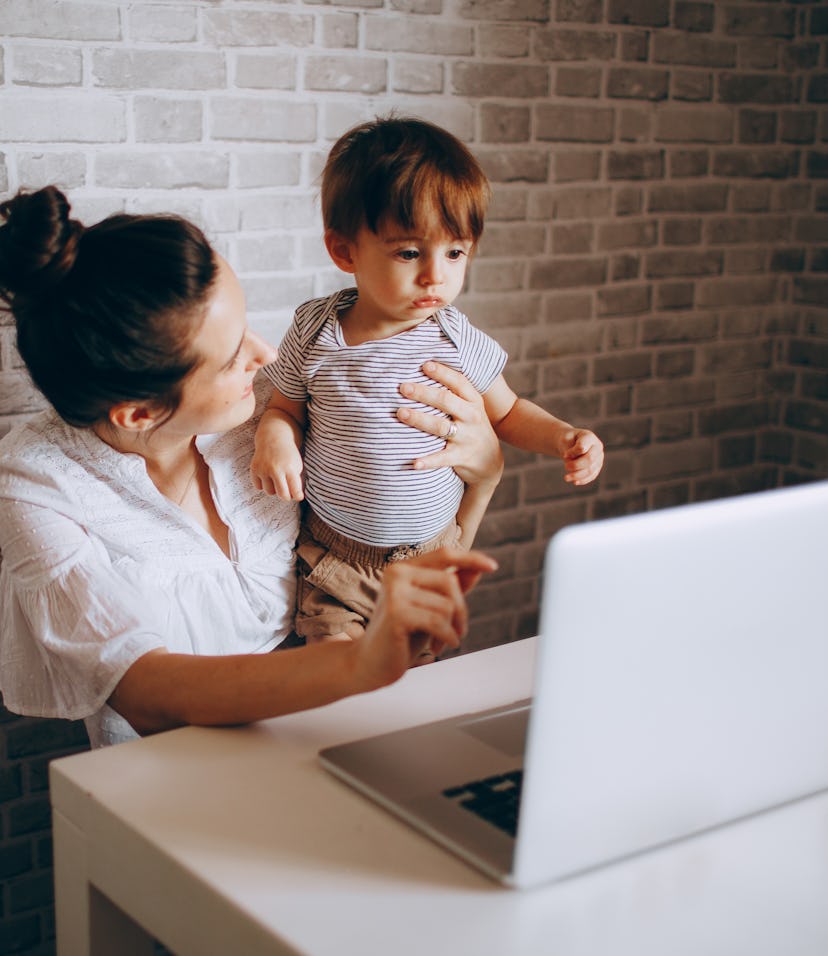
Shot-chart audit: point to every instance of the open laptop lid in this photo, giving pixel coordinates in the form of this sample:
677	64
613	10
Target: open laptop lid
681	677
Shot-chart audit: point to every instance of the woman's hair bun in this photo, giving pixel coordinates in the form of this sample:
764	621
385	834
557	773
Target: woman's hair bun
38	242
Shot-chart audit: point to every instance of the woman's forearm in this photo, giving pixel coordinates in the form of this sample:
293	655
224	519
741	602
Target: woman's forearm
421	598
161	691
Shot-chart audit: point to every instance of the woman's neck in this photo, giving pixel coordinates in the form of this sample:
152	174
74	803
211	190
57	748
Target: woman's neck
176	468
170	460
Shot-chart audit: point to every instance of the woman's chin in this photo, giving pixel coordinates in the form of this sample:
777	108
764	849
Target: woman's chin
246	408
235	416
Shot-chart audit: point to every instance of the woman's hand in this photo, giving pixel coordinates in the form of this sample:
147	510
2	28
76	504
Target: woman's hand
472	448
421	605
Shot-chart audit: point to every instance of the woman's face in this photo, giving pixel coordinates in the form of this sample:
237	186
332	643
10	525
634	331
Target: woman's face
218	395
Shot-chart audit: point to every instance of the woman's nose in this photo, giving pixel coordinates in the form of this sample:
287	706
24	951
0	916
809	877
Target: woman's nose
261	353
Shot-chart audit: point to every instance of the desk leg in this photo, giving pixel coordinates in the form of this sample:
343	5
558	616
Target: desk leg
87	923
112	931
71	869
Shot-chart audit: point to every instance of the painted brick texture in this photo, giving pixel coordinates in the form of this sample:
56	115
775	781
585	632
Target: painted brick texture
26	894
655	261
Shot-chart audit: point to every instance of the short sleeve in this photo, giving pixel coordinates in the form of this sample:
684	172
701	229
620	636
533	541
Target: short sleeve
482	358
71	624
286	372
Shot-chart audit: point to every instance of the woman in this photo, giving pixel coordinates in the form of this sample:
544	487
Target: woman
143	575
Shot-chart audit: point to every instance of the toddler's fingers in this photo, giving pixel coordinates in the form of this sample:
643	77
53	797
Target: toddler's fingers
267	486
295	490
584	475
580	445
282	488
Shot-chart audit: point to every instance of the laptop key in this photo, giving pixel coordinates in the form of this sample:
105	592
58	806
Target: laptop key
494	799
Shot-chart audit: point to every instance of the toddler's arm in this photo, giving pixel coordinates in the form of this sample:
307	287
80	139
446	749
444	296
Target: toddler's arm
525	425
276	467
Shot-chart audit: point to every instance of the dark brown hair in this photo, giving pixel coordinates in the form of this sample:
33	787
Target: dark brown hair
105	314
395	169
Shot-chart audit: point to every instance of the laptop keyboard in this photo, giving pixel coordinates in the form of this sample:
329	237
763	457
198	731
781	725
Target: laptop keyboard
494	799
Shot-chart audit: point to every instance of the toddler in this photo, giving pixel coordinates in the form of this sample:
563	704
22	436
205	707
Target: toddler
403	205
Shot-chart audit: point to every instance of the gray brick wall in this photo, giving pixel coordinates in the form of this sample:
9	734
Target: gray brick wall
656	259
26	893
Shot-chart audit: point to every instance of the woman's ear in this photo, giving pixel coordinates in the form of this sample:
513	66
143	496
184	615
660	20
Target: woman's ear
133	417
341	251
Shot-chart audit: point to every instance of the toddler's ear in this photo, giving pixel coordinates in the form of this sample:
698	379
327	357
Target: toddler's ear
341	251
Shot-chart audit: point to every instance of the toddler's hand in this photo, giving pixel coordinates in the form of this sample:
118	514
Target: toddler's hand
583	456
278	474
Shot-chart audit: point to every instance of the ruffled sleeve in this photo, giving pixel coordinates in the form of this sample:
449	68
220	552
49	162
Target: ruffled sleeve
70	624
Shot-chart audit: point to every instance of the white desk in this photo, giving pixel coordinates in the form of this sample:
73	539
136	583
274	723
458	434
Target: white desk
236	843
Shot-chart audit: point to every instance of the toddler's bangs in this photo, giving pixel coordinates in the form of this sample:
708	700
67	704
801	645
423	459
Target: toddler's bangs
459	203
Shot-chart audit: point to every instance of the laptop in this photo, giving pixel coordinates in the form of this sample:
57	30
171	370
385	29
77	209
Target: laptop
680	683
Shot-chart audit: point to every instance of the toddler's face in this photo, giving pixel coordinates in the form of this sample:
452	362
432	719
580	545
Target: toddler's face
405	276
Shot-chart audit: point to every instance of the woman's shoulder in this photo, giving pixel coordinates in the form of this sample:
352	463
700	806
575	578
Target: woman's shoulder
37	438
44	452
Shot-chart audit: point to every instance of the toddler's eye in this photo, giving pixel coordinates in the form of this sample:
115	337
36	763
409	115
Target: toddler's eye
408	255
455	254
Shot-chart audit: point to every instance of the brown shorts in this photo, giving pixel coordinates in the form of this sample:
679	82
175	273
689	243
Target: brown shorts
339	579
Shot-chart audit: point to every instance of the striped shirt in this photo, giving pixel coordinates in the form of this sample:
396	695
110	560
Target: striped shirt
357	458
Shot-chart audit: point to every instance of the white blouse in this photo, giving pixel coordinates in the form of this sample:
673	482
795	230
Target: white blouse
98	567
